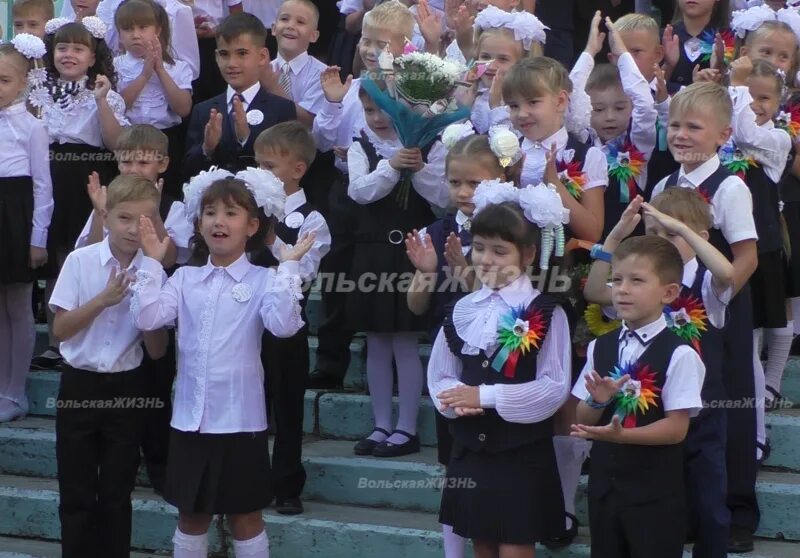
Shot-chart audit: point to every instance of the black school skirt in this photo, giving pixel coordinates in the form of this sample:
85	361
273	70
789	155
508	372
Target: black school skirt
16	223
511	497
768	288
218	473
791	214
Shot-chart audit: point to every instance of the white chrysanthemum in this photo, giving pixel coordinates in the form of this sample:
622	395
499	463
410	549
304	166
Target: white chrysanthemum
493	192
455	132
95	26
435	67
194	189
267	189
39	97
542	206
30	46
505	145
55	24
37	77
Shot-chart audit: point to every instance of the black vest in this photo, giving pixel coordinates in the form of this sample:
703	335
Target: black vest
580	156
637	473
489	432
447	289
682	73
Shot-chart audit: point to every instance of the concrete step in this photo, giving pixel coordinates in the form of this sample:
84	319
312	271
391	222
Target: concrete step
11	547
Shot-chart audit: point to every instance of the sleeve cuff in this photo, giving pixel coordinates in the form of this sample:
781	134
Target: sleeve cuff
39	238
290	267
386	170
151	265
488	396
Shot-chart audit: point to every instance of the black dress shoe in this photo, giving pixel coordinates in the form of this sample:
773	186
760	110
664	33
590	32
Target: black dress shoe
766	449
741	540
388	449
289	506
48	360
365	446
566	538
317	379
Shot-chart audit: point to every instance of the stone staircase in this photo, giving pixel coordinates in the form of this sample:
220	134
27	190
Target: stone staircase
355	506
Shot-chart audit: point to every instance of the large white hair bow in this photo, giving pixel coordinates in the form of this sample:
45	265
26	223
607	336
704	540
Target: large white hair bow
526	26
744	21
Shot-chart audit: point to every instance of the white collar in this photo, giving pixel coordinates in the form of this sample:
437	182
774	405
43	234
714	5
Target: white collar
768	125
689	272
14	108
293	201
461	218
701	173
249	94
106	256
237	270
514	294
296	64
648	332
559	138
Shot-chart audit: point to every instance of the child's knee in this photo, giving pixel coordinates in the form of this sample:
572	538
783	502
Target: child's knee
245	526
194	523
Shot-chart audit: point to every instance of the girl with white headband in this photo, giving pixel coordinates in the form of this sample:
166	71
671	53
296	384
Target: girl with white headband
218	457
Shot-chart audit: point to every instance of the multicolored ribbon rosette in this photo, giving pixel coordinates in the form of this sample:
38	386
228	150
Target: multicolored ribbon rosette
638	394
788	119
625	164
735	160
572	177
707	44
518	332
598	323
686	317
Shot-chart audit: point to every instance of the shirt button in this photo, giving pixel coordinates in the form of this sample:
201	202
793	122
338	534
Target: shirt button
481	437
485	364
108	343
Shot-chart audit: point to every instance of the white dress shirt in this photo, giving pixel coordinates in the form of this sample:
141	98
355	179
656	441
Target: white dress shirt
221	313
731	206
26	151
715	303
110	343
475	318
483	117
314	222
685	372
369	186
304	74
768	145
595	166
336	123
151	106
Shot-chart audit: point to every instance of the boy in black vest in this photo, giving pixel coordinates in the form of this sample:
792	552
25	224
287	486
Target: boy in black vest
287	150
642	385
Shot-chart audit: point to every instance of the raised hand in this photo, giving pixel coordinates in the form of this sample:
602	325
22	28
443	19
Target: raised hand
116	289
293	254
240	125
421	252
332	85
454	253
151	245
718	54
550	170
596	39
661	84
711	75
101	87
602	389
669	223
430	26
213	132
615	42
97	193
37	257
627	222
496	89
741	68
672	47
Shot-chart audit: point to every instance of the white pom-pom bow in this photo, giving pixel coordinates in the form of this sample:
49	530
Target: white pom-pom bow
93	24
493	192
55	24
455	132
526	26
266	188
29	46
744	21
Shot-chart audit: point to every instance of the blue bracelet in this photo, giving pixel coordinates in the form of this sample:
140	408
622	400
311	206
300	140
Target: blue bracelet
594	404
597	253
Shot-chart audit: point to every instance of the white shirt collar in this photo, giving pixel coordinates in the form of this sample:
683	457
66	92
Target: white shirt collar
559	138
461	218
701	173
689	272
16	108
237	270
648	332
768	125
107	257
296	64
249	94
293	201
514	294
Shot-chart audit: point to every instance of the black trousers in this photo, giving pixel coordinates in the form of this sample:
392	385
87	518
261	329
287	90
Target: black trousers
286	366
97	452
707	484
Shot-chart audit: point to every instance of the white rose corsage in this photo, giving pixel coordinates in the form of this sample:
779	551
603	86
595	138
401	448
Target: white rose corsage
505	145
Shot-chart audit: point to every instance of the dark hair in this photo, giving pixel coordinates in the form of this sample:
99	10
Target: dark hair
142	137
230	191
242	23
76	33
720	14
289	138
604	76
146	12
665	258
507	222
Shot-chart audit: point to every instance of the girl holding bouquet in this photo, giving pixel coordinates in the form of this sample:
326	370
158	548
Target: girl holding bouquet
381	272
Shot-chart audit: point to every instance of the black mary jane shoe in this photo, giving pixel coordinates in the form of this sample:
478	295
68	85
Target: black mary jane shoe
289	506
740	540
766	449
388	449
565	539
365	446
777	403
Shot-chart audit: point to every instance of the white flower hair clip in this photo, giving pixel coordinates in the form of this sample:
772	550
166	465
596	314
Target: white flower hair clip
493	192
526	26
744	21
55	24
95	26
505	145
29	46
456	132
542	206
267	190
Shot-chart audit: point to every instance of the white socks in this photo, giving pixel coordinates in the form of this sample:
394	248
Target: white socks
453	544
257	547
570	454
190	546
779	345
